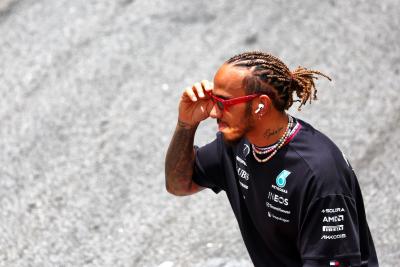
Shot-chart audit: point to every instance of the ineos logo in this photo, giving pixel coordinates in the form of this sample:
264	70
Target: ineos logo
278	199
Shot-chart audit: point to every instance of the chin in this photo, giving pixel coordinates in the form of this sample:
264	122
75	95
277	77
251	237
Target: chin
232	139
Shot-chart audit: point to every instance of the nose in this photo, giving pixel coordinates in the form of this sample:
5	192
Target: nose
215	112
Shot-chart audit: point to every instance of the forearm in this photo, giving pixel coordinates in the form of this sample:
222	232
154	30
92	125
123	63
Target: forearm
179	161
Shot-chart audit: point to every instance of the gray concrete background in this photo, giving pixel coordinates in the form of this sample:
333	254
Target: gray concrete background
88	103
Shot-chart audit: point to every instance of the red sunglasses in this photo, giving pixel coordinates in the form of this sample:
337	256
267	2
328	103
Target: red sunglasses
223	104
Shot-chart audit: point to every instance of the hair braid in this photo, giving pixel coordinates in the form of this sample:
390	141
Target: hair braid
304	86
271	76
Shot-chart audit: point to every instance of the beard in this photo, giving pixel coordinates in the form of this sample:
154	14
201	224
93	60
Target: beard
247	123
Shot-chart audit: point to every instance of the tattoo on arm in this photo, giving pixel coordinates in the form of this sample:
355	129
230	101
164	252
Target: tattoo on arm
179	161
268	133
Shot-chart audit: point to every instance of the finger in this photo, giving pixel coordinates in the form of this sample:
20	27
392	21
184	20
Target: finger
199	89
207	85
189	92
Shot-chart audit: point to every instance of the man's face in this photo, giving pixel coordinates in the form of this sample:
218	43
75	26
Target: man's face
236	121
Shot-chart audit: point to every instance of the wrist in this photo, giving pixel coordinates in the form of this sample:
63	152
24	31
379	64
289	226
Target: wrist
186	125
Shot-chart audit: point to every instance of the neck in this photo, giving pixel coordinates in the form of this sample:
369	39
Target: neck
268	129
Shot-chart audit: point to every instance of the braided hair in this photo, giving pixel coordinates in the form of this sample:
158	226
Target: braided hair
271	76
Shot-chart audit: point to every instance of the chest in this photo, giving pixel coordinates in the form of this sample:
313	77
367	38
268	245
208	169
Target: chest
271	193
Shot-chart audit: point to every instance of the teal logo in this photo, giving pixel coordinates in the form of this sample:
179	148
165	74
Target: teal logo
281	178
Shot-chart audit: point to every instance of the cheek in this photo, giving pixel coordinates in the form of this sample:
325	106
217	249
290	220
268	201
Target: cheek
237	115
240	124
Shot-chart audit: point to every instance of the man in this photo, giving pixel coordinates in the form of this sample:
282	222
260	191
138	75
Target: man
294	194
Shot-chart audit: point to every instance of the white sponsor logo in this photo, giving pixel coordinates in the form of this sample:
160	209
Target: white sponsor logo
278	199
335	210
279	189
243	174
269	205
337	218
270	214
241	161
332	228
243	185
246	150
334	236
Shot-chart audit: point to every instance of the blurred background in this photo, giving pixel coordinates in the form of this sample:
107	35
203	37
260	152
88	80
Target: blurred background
89	93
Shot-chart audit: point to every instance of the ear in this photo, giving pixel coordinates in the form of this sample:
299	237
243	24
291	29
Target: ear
262	106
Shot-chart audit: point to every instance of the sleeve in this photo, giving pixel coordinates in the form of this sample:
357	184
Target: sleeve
208	171
329	232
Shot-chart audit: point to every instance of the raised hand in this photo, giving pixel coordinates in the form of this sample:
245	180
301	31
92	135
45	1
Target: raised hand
195	105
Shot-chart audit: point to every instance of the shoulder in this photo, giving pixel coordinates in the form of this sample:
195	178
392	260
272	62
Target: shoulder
215	150
215	145
329	170
318	151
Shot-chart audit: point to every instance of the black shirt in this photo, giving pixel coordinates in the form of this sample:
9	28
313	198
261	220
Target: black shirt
303	207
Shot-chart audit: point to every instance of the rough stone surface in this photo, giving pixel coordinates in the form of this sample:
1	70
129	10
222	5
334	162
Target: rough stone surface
88	103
